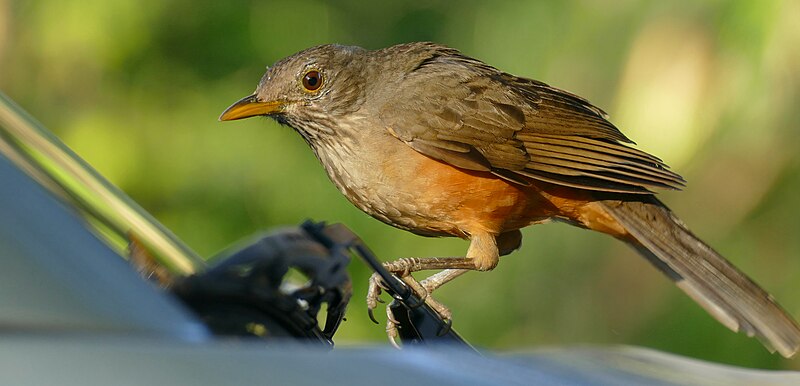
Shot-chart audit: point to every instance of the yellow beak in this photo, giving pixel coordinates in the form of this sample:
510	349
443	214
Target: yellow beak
249	106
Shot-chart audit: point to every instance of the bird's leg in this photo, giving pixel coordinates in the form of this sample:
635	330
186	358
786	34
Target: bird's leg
482	255
422	289
418	288
426	286
433	282
403	269
407	265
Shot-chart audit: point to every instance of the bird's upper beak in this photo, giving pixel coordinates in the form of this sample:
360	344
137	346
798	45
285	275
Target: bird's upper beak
250	106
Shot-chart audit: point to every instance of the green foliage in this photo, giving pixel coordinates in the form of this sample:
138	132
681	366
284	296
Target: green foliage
135	88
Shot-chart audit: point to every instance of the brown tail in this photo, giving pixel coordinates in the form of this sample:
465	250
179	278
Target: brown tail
713	282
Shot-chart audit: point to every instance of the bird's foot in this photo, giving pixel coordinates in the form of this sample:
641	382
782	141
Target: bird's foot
453	267
376	287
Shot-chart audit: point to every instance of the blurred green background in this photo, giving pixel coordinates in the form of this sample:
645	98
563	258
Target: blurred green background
135	88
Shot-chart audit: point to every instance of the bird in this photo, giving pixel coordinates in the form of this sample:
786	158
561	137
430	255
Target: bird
432	141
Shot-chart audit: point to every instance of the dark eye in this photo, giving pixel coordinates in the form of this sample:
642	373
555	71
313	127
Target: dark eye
312	80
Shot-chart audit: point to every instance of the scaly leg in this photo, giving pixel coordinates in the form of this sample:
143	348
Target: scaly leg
482	255
439	279
453	267
403	269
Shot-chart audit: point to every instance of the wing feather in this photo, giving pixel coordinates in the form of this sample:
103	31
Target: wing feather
476	117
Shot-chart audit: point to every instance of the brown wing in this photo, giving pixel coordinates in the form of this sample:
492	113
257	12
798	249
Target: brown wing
472	116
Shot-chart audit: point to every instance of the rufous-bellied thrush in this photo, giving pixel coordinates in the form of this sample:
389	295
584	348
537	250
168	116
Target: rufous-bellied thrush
428	140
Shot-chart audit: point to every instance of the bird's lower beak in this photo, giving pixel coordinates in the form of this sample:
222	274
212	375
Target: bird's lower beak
250	106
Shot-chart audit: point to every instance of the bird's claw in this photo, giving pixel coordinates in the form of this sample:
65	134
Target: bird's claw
391	320
372	316
422	290
392	328
447	326
376	287
373	295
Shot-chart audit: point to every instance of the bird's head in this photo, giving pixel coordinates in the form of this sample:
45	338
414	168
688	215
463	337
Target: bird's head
313	91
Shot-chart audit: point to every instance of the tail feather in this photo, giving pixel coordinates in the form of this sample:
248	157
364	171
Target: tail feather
707	277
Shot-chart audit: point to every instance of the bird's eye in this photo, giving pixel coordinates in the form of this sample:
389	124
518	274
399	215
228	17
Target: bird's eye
312	80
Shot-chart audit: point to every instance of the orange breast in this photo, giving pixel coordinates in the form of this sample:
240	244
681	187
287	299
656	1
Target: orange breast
454	201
